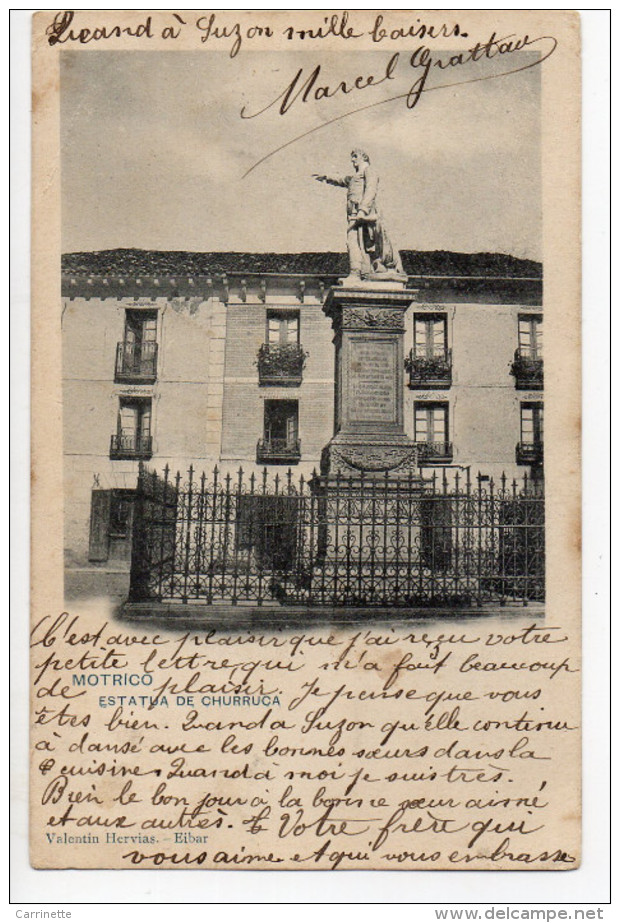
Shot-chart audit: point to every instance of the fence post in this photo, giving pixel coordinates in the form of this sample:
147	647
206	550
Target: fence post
502	601
212	540
200	527
525	499
235	588
138	577
479	530
187	537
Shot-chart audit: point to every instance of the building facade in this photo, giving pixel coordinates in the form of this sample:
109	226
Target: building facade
176	359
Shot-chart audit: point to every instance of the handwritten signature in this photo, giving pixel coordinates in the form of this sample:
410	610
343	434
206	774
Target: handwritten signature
311	87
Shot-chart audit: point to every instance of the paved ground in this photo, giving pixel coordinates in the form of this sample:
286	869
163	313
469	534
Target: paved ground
236	618
97	586
94	583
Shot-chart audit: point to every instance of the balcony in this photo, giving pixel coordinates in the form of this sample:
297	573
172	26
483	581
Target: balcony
281	364
278	451
136	363
131	446
528	371
430	372
530	453
434	453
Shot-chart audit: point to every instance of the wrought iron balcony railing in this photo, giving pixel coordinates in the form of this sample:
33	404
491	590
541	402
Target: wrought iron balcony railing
135	363
278	451
434	453
429	371
530	453
131	446
528	371
281	364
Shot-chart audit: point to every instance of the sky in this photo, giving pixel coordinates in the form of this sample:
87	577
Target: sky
154	152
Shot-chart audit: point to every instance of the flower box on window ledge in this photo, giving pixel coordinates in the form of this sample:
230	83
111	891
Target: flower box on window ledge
530	453
434	453
281	364
430	371
528	372
278	451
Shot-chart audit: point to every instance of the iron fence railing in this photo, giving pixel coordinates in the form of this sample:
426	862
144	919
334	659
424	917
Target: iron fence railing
336	541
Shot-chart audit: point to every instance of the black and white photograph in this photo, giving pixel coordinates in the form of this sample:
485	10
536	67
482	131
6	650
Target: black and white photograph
330	409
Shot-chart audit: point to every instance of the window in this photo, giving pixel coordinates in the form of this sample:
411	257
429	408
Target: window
431	422
530	336
430	336
530	449
432	432
281	359
136	357
280	443
111	514
430	362
527	367
283	328
531	424
281	421
133	432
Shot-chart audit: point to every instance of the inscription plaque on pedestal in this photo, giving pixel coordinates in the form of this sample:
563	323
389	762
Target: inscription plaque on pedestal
372	381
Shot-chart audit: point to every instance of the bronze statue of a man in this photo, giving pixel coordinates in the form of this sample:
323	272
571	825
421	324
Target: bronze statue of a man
370	249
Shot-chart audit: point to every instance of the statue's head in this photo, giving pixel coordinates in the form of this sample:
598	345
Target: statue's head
358	156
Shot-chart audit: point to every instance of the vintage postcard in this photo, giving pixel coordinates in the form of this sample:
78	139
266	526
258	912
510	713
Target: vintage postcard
306	496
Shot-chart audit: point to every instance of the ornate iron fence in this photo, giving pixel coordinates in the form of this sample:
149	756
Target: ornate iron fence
337	541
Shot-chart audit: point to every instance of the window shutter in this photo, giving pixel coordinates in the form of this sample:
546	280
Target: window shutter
421	424
439	424
99	541
527	424
538	424
291	428
292	329
149	330
273	331
128	419
419	337
145	421
439	337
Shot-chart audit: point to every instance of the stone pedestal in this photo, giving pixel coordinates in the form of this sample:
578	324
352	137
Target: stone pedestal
369	437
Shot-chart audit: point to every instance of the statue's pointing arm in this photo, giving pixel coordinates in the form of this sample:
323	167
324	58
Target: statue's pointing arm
332	180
